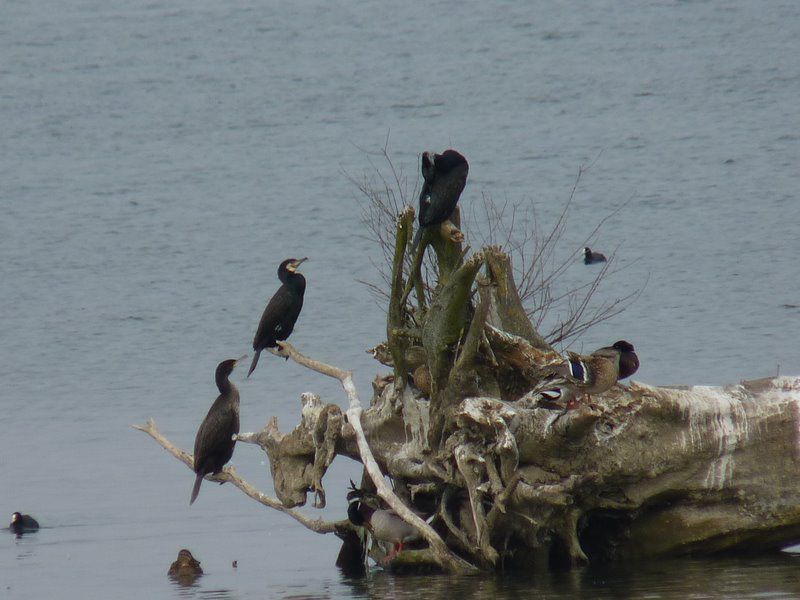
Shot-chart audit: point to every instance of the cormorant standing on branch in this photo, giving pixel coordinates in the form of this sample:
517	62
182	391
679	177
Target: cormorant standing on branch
445	176
282	310
21	523
213	446
590	257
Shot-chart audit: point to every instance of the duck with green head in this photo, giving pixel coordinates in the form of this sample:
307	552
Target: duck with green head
587	374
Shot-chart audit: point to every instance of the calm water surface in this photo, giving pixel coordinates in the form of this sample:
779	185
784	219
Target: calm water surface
159	159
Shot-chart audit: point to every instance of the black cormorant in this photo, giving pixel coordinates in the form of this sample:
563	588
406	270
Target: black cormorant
282	310
589	257
22	523
213	446
445	176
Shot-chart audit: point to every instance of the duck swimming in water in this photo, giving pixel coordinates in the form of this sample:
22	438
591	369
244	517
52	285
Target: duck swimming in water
186	568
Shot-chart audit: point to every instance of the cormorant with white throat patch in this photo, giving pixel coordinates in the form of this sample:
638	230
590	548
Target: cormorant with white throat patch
282	310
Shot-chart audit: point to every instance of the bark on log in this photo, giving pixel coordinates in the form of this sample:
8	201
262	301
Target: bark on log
457	427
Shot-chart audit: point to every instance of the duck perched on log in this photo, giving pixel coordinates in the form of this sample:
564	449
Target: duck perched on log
592	374
383	525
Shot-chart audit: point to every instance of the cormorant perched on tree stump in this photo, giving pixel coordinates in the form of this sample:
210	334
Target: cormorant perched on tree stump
282	310
445	176
213	446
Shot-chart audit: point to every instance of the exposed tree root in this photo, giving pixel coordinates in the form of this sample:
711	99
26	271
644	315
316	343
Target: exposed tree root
460	430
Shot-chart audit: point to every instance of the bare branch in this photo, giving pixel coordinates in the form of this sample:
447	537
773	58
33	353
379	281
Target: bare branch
446	559
229	475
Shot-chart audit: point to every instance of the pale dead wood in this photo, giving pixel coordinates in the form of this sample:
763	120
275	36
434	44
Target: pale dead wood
446	559
229	475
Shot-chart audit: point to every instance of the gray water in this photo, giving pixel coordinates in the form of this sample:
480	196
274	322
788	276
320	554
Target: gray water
158	160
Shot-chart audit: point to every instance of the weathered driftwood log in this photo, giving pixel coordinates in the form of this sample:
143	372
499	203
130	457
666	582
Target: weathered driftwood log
229	475
641	471
644	471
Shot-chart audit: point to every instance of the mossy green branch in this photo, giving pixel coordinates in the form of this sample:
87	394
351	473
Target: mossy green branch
507	312
446	321
396	318
447	243
447	318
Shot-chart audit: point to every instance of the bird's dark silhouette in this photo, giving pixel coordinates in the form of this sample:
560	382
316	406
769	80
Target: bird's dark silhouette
445	176
280	315
213	446
590	257
22	523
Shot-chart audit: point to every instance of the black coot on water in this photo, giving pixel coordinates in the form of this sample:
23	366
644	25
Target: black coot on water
22	523
591	257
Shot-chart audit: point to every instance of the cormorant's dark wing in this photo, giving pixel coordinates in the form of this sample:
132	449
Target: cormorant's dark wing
444	192
213	442
273	324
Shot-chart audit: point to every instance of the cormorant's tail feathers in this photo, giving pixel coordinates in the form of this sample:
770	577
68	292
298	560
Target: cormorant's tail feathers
196	489
254	363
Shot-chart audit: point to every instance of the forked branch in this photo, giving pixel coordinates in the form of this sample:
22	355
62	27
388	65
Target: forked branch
229	475
444	557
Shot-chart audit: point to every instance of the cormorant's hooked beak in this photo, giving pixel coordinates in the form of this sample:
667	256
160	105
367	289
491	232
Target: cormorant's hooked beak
238	360
292	267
